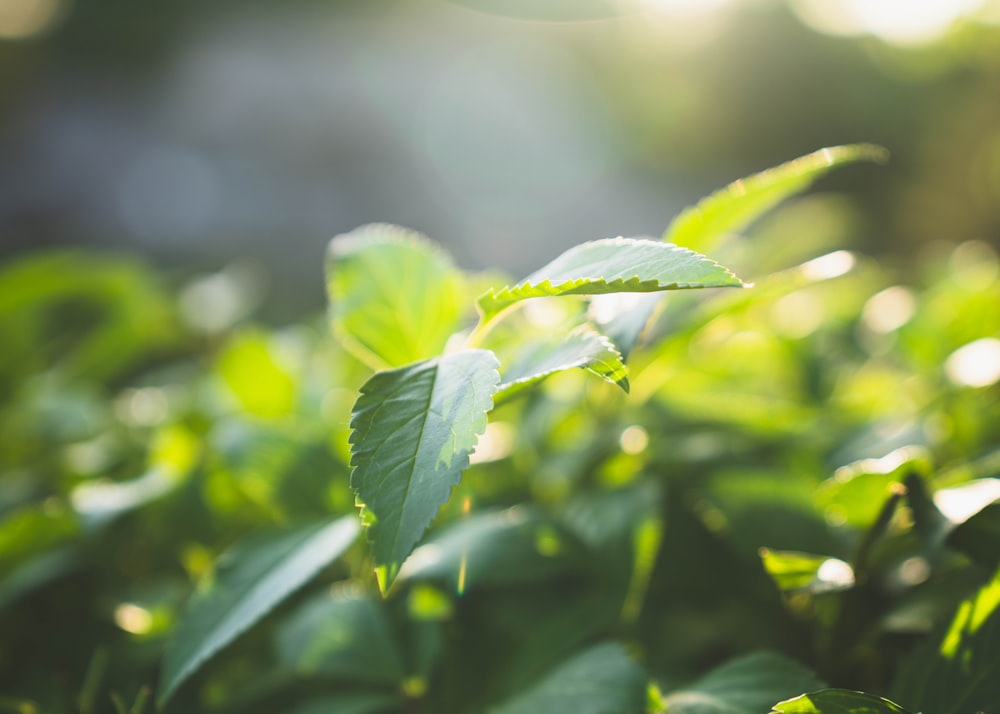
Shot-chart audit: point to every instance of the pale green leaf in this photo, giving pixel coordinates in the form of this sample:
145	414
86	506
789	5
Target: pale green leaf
837	701
734	207
600	680
614	265
583	347
412	432
342	634
748	685
395	297
248	582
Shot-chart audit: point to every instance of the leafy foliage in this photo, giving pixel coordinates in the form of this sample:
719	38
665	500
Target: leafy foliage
799	488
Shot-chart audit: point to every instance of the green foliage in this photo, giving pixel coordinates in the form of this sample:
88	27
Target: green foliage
799	490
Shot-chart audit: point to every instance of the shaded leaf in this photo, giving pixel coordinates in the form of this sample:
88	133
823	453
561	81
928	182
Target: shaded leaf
356	703
341	634
837	701
747	685
955	671
413	431
395	297
614	265
583	347
488	548
601	680
734	207
250	580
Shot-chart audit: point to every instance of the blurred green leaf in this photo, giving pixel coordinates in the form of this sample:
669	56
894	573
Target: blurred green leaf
413	431
341	634
395	297
838	701
747	685
803	572
600	680
250	580
253	371
734	207
954	671
358	703
614	265
514	545
979	537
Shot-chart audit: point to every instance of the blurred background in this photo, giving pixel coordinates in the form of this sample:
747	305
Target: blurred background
246	134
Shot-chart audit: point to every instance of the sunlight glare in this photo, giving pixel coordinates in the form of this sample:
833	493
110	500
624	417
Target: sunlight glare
977	364
898	21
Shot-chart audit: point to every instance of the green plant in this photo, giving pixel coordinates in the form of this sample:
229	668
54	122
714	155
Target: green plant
696	545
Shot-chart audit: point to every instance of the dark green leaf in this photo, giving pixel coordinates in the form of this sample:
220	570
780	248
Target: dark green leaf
395	297
357	703
342	634
500	547
249	581
614	265
748	685
601	680
838	701
413	431
955	671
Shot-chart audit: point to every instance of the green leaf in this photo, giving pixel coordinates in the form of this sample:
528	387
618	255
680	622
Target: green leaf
804	572
251	368
351	703
600	680
249	581
583	347
412	432
747	685
395	297
955	671
514	545
734	207
837	701
342	634
614	265
729	210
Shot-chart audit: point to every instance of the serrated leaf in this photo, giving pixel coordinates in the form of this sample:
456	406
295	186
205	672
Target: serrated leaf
412	432
726	211
734	207
395	297
583	348
601	680
249	581
955	671
614	265
837	701
341	634
747	685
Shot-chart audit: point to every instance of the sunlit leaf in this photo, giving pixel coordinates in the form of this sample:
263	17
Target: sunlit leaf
395	297
734	207
413	431
614	265
747	685
804	572
342	634
255	375
955	670
249	581
583	347
600	680
837	701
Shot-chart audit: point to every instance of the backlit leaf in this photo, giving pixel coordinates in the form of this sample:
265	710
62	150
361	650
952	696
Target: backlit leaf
249	581
395	297
837	701
614	265
413	431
